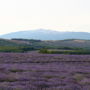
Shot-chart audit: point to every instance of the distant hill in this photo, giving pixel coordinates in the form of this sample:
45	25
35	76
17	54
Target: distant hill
42	34
78	43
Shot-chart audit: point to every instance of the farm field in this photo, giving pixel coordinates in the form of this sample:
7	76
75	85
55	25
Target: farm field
35	71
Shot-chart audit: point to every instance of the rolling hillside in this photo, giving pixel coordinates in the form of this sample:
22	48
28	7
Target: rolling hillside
46	43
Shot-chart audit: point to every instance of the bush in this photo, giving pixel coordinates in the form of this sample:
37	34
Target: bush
44	51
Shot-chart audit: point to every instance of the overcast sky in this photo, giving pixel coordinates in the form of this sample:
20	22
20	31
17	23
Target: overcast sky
62	15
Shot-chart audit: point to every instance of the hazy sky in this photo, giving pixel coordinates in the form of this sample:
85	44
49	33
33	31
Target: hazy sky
63	15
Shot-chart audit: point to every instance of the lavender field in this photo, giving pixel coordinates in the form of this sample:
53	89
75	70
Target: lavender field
34	71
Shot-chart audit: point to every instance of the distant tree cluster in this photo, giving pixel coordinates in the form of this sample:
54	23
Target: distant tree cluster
78	52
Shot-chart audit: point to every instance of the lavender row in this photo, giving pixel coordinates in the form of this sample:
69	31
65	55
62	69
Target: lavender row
41	58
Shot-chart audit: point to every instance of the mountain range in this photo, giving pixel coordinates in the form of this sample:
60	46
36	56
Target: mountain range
43	34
